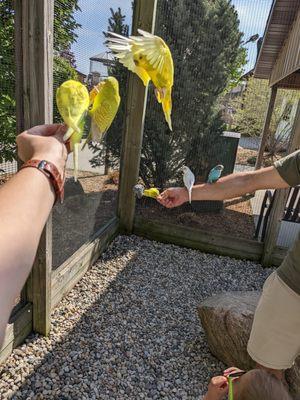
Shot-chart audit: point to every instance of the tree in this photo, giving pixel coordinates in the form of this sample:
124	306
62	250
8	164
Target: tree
205	42
7	82
110	153
64	63
251	107
204	38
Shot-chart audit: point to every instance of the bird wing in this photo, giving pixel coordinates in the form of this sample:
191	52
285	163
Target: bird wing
156	52
189	179
122	48
103	116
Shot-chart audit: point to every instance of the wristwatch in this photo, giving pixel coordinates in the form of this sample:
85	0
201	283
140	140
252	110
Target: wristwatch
52	173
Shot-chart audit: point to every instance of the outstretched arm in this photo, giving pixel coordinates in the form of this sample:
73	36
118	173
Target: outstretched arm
229	187
25	203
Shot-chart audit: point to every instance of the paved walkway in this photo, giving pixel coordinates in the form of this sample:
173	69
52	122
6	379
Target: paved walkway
85	156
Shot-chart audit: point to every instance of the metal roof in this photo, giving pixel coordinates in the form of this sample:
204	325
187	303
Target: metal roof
106	58
281	18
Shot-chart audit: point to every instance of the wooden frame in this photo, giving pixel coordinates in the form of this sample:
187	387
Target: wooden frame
209	242
265	131
280	199
34	105
18	328
144	18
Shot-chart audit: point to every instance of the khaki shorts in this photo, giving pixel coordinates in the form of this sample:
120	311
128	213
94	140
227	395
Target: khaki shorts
275	337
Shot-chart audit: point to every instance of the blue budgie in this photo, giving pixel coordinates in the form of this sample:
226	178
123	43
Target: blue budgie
215	173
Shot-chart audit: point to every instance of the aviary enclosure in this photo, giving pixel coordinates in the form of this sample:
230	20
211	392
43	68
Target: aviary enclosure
213	87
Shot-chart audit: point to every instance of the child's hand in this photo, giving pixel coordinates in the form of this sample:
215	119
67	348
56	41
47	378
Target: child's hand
231	370
217	388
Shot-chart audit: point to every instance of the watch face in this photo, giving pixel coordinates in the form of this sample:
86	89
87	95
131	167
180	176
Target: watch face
42	164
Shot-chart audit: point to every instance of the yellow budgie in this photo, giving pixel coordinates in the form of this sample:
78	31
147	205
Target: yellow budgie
153	192
104	104
150	58
72	99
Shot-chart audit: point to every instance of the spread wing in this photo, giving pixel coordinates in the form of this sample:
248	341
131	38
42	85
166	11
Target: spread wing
149	46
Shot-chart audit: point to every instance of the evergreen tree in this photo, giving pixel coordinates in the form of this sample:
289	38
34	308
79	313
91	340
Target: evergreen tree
204	38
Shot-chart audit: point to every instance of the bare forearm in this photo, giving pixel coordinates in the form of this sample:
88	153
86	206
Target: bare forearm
20	230
239	184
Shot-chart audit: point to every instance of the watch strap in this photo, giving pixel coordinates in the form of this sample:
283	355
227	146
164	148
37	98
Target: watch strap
52	173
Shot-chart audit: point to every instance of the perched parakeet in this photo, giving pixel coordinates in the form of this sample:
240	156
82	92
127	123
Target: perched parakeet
150	58
188	180
104	104
215	173
72	99
138	190
152	192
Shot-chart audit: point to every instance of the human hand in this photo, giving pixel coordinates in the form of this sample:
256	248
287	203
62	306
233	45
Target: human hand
44	142
173	197
231	370
217	388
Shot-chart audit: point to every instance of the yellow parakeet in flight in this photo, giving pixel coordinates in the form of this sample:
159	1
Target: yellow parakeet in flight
150	58
72	99
104	104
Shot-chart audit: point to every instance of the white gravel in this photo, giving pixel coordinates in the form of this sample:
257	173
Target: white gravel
129	329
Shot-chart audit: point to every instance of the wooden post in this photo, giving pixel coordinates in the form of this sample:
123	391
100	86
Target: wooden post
280	200
35	104
144	18
265	131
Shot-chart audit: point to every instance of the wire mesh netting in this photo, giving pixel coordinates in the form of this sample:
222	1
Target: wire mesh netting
80	54
8	165
218	111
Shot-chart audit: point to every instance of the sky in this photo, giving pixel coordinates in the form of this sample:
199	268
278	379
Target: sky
253	15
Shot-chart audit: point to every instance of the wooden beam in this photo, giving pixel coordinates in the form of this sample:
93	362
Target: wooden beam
144	18
278	255
209	242
37	100
68	274
265	131
280	200
17	330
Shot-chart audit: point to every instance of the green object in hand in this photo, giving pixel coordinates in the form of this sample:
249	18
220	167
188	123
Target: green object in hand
230	388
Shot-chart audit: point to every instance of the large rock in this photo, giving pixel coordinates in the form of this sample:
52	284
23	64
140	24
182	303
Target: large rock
227	319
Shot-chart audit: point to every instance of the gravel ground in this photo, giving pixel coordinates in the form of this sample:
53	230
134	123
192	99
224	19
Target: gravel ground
129	329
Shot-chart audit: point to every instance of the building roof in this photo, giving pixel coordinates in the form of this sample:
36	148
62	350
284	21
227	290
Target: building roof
81	73
105	58
281	18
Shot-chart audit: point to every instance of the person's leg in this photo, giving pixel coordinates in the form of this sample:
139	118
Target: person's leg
275	337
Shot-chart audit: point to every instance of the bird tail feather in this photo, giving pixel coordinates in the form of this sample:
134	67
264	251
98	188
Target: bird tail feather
75	160
166	101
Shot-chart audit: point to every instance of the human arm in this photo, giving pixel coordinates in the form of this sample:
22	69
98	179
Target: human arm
229	187
25	203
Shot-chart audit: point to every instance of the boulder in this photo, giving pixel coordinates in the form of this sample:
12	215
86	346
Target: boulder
227	319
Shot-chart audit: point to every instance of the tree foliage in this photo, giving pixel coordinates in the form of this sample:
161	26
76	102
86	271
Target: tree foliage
64	63
251	107
204	38
7	82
